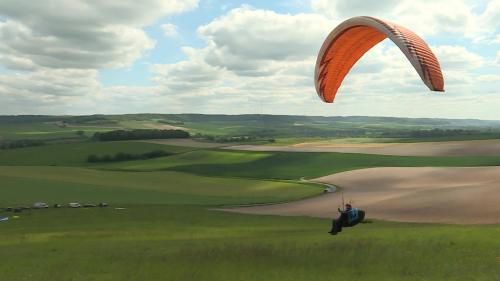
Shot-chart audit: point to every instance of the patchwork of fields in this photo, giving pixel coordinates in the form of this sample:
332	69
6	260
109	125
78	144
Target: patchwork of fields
167	228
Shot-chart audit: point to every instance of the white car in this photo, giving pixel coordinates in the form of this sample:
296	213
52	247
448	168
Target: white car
74	205
40	205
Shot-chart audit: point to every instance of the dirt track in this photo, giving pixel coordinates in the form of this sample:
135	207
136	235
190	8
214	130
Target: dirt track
185	142
449	148
164	127
438	195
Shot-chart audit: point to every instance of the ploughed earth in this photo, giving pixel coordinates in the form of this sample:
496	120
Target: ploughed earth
448	148
462	195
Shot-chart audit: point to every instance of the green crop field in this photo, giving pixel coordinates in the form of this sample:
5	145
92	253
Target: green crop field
227	163
290	165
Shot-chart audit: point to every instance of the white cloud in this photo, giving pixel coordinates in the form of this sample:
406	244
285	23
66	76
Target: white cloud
457	58
189	76
425	17
491	15
346	9
79	34
51	82
497	39
109	47
169	30
254	42
489	78
56	47
252	57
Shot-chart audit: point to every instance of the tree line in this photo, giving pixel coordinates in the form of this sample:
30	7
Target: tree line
139	134
21	143
435	133
228	139
122	156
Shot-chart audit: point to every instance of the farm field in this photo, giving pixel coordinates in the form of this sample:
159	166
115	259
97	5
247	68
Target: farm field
417	194
226	163
428	148
168	224
28	184
284	129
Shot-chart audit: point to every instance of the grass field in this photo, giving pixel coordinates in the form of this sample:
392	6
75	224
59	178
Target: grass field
227	163
41	130
75	154
168	231
25	185
191	243
291	165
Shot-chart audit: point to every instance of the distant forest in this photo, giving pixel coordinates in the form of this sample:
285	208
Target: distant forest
140	134
122	156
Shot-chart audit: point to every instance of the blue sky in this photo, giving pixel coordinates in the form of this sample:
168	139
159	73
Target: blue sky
238	57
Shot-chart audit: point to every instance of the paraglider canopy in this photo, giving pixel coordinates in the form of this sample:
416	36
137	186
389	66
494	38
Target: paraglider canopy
351	39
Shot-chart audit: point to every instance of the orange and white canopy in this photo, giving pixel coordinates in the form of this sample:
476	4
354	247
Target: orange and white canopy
351	39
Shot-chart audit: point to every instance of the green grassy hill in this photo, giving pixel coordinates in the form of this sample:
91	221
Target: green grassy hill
226	163
168	229
24	185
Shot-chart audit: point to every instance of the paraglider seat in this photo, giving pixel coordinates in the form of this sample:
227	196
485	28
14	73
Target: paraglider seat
355	216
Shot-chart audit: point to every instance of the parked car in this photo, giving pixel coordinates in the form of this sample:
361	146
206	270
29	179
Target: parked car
74	205
18	209
328	190
102	204
89	205
40	205
9	209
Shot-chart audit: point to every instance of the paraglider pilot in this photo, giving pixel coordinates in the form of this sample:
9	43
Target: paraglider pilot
343	220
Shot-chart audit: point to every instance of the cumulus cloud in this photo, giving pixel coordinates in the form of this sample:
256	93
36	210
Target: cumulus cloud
457	58
189	76
254	42
79	34
107	47
51	82
252	57
346	9
491	15
55	48
44	90
426	17
169	30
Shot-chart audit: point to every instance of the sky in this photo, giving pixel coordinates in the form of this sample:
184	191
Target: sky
239	57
